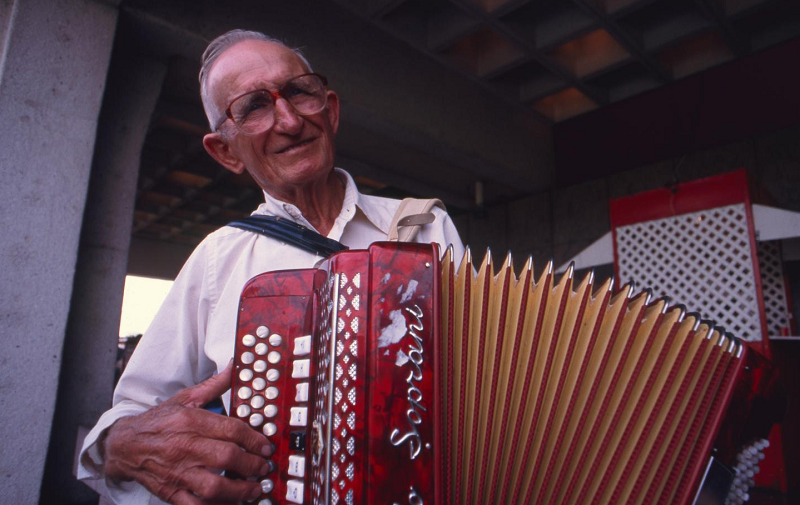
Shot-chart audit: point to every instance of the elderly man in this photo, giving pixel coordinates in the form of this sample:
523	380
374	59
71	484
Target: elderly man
275	119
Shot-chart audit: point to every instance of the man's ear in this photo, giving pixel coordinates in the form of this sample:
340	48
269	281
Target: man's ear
218	148
332	108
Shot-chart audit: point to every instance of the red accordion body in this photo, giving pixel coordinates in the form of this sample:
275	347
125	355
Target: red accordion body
348	370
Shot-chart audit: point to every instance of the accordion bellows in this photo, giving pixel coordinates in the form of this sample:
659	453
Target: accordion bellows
458	384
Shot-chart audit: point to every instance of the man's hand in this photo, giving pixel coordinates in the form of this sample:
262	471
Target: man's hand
176	449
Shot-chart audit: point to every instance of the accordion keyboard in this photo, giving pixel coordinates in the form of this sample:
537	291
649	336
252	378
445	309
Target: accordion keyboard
273	367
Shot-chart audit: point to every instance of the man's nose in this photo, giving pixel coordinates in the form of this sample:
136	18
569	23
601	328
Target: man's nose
287	120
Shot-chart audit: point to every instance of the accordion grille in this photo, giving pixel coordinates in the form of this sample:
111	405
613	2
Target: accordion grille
555	390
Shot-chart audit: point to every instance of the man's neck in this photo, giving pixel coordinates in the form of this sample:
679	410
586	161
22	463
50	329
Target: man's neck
319	203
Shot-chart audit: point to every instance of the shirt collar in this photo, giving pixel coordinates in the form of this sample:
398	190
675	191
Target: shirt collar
376	214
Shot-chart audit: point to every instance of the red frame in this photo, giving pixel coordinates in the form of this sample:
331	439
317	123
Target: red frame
693	196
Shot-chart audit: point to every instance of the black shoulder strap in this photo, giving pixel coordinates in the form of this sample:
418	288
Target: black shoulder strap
291	233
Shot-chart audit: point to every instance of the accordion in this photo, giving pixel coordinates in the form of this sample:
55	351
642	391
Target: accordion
391	376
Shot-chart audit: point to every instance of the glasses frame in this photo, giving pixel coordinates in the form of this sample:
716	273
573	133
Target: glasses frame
275	95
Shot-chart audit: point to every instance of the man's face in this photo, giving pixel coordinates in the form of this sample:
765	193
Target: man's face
297	151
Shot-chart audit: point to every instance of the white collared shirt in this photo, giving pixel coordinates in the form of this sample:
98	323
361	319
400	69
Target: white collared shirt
191	337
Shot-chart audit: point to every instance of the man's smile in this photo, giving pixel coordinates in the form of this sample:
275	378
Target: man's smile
295	146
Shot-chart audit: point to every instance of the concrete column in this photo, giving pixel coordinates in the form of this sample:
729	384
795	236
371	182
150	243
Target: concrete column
90	347
53	70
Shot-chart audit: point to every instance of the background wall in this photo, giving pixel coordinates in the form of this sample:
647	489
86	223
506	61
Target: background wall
561	222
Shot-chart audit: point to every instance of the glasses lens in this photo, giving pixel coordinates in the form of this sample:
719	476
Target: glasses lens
253	112
306	94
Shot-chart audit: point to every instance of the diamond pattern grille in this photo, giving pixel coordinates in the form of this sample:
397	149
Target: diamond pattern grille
773	289
701	258
346	369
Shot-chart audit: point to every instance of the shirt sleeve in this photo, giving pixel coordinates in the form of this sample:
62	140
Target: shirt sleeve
168	358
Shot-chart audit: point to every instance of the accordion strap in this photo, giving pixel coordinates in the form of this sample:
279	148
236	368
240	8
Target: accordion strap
289	232
412	214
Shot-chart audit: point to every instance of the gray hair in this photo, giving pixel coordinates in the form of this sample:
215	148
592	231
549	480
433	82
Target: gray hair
218	46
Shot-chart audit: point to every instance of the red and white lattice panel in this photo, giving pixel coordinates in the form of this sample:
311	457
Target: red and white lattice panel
701	257
695	242
773	288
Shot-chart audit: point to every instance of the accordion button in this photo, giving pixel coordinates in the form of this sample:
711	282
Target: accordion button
261	349
294	491
297	466
249	340
260	366
274	357
257	402
265	501
302	392
297	441
266	486
275	340
247	357
245	392
271	410
259	383
246	375
271	393
243	410
300	368
273	375
262	331
302	345
270	429
256	420
298	416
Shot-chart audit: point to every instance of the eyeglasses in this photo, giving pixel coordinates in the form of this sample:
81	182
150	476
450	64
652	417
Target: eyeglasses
254	112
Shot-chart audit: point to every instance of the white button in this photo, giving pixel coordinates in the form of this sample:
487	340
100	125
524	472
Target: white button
302	345
265	501
273	375
294	491
272	393
271	410
301	368
247	357
302	392
266	486
270	429
261	349
297	416
245	392
249	340
245	375
243	410
274	357
262	331
256	420
259	366
297	466
257	402
275	340
259	383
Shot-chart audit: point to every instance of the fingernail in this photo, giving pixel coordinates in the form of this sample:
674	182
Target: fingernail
256	493
268	449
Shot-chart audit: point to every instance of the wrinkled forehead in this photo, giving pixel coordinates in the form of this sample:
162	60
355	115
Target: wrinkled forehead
249	65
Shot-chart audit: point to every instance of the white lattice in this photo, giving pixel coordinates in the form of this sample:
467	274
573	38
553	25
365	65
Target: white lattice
701	259
324	331
773	288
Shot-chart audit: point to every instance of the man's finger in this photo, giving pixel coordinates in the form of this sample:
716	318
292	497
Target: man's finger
211	388
231	457
216	488
183	497
227	429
